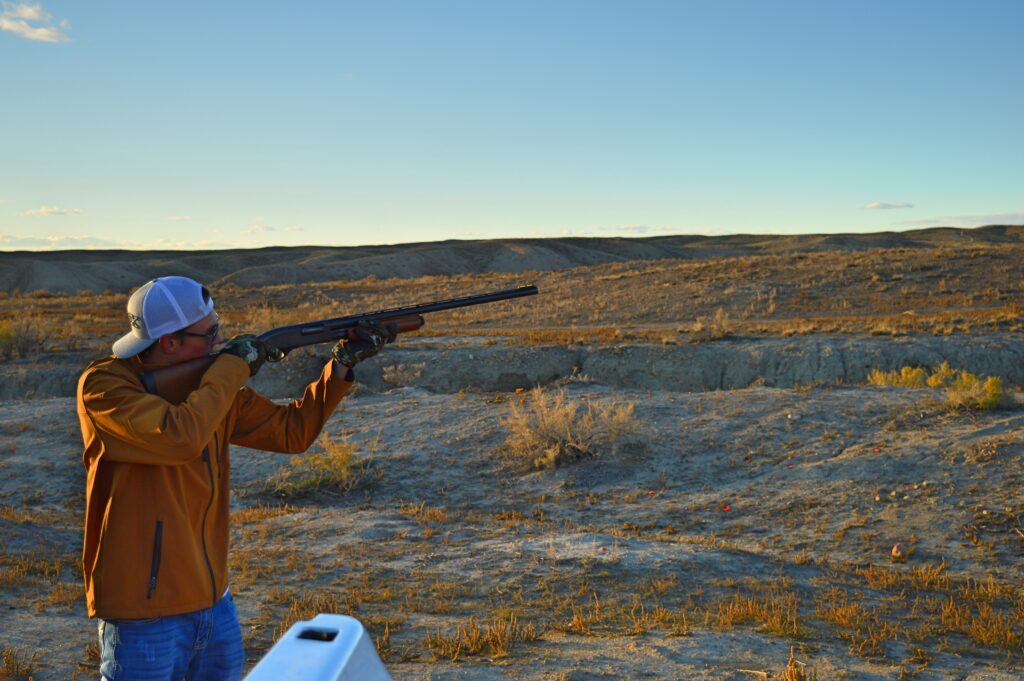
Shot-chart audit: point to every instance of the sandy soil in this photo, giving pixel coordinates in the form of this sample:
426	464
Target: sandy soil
757	493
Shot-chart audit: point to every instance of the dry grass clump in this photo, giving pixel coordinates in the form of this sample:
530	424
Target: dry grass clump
776	613
20	568
86	667
63	595
983	624
260	512
865	628
923	604
337	467
549	429
306	606
471	639
963	390
250	565
21	337
797	671
422	513
907	377
17	665
714	327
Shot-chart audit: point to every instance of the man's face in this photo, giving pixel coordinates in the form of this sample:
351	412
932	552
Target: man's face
199	339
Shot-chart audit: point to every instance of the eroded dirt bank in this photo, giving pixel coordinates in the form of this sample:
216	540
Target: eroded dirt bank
447	367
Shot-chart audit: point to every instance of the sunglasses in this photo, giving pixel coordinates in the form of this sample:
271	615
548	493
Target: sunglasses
209	336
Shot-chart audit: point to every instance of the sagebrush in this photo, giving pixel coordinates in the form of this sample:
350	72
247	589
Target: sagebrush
338	467
548	428
962	389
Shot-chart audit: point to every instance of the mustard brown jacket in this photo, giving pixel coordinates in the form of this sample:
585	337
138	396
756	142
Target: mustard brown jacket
158	479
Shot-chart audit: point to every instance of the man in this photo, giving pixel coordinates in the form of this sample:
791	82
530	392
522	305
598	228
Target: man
158	485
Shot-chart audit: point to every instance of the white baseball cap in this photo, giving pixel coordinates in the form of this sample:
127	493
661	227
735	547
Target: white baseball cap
162	306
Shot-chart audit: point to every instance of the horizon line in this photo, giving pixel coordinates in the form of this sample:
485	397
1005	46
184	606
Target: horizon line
722	235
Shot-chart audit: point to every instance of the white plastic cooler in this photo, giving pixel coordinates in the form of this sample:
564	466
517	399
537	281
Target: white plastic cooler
326	648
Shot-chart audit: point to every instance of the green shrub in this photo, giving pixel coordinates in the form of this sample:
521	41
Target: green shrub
963	390
972	392
907	377
942	375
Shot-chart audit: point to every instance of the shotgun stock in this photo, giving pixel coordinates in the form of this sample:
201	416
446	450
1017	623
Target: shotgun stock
174	383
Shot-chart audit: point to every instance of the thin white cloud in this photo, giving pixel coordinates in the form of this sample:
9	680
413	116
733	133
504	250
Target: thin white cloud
294	228
627	231
179	245
47	211
882	205
10	242
32	22
259	227
180	218
640	230
969	220
55	243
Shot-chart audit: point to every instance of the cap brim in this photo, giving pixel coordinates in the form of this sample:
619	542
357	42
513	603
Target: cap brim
130	345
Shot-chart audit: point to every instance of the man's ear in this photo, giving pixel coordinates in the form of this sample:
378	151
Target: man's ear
169	343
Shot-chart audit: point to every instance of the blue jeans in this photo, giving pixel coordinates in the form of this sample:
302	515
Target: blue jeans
205	645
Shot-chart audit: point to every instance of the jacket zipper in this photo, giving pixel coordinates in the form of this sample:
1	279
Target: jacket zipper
206	513
154	567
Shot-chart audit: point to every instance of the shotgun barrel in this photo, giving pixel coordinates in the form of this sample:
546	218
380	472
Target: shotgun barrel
287	338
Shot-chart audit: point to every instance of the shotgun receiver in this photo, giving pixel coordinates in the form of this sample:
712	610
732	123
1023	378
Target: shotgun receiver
174	383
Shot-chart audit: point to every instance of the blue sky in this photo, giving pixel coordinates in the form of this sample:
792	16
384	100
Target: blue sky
246	124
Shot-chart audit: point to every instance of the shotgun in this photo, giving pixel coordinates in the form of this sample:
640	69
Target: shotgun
174	383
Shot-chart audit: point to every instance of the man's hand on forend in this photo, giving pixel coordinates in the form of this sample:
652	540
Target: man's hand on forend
371	337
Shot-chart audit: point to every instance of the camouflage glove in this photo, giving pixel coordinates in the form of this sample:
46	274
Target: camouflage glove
371	337
250	348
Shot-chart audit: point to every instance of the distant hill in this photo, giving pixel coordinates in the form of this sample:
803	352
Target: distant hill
80	270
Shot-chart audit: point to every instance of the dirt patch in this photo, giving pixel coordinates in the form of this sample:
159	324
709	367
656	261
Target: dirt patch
749	493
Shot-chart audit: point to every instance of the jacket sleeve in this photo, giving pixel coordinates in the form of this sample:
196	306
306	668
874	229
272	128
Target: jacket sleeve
290	428
154	430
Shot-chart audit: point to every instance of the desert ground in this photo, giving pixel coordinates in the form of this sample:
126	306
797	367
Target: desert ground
682	460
